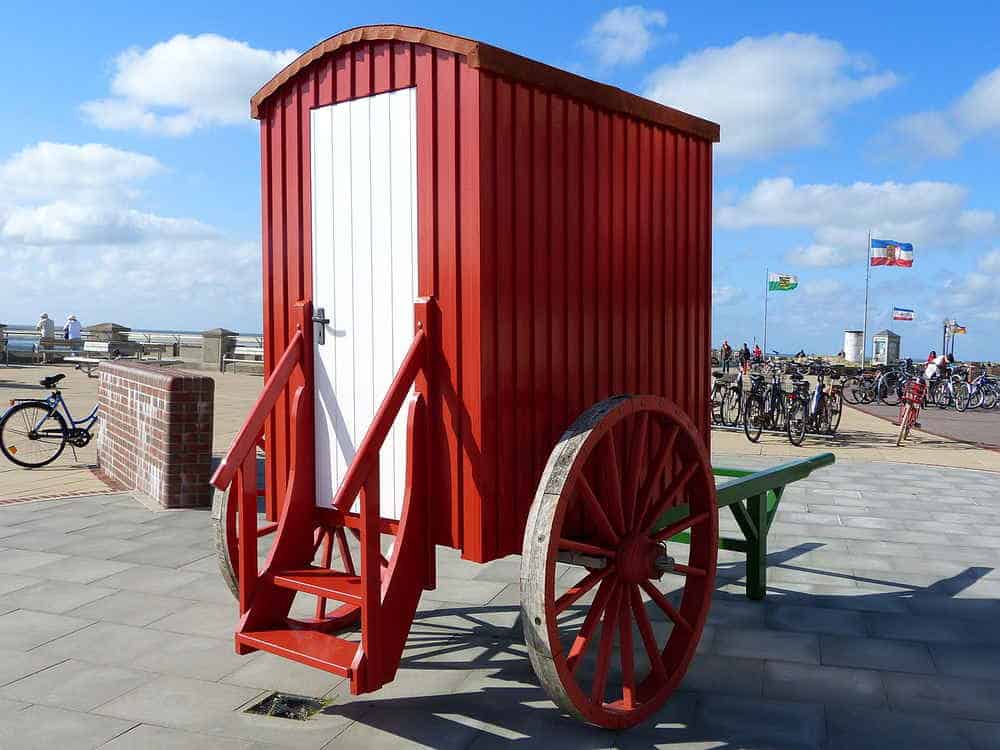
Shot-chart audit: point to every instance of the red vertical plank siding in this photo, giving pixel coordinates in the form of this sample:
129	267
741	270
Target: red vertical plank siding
588	197
657	295
568	249
478	514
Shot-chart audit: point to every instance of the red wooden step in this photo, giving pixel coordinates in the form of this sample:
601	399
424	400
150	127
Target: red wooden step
330	584
310	647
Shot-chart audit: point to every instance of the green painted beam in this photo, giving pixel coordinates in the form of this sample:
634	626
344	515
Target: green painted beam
759	482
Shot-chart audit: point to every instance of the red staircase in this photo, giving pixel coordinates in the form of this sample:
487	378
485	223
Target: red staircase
383	594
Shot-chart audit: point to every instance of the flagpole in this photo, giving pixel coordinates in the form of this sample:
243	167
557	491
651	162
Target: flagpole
868	273
766	289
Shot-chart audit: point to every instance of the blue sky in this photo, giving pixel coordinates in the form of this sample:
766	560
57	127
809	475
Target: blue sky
129	168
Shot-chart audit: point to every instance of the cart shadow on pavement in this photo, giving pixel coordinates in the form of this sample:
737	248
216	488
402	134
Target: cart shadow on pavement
465	679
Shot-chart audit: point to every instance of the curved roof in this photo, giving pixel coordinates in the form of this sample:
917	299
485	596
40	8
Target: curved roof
503	63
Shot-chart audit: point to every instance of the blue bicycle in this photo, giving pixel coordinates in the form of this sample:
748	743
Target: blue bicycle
33	432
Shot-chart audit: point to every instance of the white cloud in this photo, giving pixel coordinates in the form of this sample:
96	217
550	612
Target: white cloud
624	35
818	256
726	294
769	93
942	133
64	170
840	215
991	262
71	235
185	83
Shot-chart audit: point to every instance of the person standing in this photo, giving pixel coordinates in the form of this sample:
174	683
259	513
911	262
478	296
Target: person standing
72	331
45	327
758	355
727	355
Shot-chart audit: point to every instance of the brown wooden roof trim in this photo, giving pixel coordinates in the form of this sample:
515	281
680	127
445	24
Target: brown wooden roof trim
504	63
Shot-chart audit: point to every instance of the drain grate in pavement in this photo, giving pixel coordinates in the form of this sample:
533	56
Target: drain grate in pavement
285	706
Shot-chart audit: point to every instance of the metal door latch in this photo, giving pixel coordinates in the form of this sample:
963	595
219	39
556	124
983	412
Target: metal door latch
323	321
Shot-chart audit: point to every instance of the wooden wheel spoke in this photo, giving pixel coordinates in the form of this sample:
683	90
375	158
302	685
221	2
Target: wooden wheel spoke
677	485
683	525
659	465
646	631
636	456
586	584
587	549
687	570
614	482
586	632
668	609
627	657
604	649
597	514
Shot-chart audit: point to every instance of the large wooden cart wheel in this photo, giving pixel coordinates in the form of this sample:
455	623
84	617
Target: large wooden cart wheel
611	637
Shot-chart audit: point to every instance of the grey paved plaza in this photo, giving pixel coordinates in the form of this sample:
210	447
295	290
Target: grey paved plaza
881	630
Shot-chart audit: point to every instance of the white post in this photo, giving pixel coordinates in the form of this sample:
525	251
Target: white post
766	290
868	273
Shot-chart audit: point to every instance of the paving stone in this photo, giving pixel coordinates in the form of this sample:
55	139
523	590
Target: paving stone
14	581
149	579
57	597
17	664
45	728
191	656
967	660
149	737
725	674
754	722
960	697
40	540
860	728
103	643
207	620
81	570
914	628
816	620
97	547
384	726
164	555
829	685
981	735
766	644
22	560
75	685
269	672
131	608
23	629
464	591
876	653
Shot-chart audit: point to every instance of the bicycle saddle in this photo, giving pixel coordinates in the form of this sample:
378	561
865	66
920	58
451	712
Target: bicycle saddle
796	377
51	380
716	373
756	376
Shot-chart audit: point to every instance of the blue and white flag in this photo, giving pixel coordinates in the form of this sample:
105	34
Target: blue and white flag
903	313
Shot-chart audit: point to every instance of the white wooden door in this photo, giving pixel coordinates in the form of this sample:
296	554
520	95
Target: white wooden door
364	172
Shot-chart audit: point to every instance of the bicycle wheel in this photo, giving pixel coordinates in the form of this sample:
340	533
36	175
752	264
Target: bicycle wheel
31	435
731	407
753	418
990	398
797	419
836	407
851	388
889	390
904	424
961	397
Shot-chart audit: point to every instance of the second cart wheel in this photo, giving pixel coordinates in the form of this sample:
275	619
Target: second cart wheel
611	640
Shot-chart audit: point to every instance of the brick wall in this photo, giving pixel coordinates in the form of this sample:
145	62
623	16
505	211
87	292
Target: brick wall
156	432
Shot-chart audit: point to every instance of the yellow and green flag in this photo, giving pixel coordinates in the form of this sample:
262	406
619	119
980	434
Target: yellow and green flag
781	282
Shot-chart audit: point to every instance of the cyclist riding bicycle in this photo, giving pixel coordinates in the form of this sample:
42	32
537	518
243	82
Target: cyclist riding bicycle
938	366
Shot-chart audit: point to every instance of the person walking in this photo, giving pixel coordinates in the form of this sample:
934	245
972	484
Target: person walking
758	355
745	358
45	327
727	355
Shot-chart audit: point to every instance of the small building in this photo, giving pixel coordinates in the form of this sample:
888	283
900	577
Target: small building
885	348
852	345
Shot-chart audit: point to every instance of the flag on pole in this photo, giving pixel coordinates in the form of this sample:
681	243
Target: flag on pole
891	253
781	282
956	328
902	313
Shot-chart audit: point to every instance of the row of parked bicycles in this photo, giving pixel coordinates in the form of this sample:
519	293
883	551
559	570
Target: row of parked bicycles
767	405
956	390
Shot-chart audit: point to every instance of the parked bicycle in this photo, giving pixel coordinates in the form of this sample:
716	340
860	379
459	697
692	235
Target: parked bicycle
34	432
909	407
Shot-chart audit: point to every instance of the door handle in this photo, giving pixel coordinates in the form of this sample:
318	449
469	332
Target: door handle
323	321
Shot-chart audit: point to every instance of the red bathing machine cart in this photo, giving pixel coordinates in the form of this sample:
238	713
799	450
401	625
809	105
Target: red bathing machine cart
468	257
